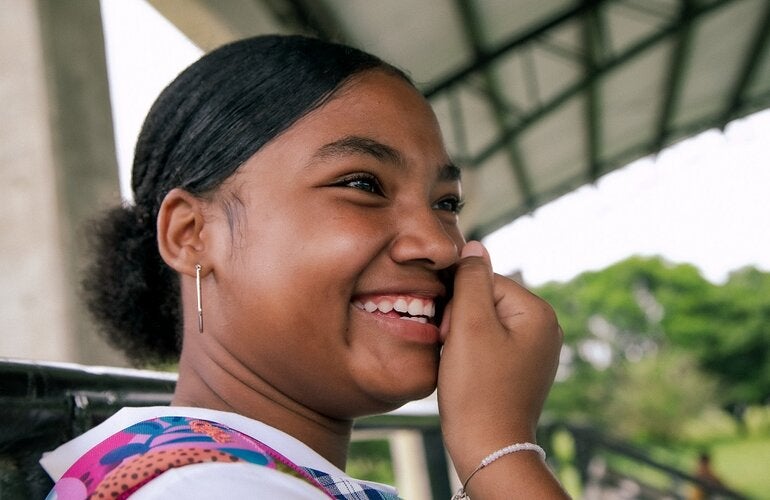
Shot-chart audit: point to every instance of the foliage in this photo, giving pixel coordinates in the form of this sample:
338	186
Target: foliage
371	460
648	341
657	396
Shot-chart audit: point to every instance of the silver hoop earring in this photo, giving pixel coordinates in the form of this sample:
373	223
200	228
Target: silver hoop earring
198	290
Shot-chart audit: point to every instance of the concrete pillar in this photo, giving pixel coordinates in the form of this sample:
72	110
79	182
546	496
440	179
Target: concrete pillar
57	171
211	23
409	464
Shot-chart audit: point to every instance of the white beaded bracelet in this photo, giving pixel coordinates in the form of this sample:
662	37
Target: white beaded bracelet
494	456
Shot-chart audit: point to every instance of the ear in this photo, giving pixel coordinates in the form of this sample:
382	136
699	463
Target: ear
180	222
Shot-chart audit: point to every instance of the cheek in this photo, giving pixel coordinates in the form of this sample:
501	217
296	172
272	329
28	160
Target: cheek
321	243
298	270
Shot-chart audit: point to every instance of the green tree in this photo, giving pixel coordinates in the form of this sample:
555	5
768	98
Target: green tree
727	328
644	311
655	398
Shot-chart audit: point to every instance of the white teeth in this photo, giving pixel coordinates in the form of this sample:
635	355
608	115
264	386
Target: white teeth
415	307
418	319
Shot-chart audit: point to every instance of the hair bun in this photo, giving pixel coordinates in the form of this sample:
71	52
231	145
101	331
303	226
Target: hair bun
140	316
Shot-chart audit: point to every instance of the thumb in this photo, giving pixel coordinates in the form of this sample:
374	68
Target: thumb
473	300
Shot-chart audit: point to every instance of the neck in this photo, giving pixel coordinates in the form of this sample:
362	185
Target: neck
206	383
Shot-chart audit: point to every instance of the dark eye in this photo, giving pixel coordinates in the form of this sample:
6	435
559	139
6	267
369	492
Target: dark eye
362	182
450	204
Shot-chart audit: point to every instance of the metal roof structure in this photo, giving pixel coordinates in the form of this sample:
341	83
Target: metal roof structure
537	97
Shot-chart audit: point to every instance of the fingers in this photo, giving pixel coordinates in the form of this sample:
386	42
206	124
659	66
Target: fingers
523	312
484	301
473	303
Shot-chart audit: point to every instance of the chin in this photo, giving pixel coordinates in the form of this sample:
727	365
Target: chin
386	383
376	402
390	396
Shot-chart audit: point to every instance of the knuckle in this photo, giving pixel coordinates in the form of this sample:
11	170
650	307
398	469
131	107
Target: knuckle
549	314
546	317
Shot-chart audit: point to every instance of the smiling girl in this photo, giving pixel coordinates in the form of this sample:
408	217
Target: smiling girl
294	242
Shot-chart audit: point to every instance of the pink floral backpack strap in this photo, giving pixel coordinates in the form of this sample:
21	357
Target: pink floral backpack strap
127	460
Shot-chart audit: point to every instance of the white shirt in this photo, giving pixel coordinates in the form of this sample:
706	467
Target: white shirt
209	480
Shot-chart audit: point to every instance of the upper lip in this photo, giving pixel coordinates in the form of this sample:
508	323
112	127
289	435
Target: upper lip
428	290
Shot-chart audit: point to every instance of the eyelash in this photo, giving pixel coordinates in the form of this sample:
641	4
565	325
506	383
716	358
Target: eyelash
456	204
373	186
356	181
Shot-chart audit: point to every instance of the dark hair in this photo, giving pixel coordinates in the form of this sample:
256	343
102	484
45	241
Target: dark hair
213	117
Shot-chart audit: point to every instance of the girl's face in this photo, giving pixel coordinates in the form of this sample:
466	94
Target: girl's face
327	276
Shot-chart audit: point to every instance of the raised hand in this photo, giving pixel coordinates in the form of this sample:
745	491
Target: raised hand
500	354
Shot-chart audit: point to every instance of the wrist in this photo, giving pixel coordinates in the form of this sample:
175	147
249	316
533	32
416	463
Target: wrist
467	451
526	452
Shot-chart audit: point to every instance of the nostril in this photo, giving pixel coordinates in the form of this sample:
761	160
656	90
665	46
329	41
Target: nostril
424	238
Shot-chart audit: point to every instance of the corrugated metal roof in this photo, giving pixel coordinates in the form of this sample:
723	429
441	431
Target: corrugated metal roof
538	97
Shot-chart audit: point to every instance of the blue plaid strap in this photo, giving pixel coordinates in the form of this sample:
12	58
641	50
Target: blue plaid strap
347	489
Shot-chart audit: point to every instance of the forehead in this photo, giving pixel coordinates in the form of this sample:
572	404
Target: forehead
379	88
381	106
375	115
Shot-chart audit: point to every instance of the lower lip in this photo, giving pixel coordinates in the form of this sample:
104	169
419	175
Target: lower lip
421	333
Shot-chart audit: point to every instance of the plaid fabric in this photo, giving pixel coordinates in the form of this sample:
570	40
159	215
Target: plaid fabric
345	489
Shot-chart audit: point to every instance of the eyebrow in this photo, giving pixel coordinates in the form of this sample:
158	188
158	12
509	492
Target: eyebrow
357	145
450	172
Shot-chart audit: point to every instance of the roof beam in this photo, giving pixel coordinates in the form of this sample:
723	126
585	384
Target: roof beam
759	47
312	17
648	8
481	230
676	71
488	56
593	44
211	23
602	69
496	100
566	53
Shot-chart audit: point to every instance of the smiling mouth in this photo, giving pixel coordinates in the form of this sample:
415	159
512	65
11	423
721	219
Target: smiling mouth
409	308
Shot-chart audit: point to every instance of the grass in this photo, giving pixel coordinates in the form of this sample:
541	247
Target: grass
740	458
744	465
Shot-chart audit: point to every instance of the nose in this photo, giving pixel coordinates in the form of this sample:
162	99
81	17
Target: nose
423	238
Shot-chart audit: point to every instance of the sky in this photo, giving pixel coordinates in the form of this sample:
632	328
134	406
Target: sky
705	201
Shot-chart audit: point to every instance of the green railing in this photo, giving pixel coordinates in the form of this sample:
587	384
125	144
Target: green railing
43	405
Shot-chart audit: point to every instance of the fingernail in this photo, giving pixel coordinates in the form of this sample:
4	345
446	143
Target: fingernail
472	249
